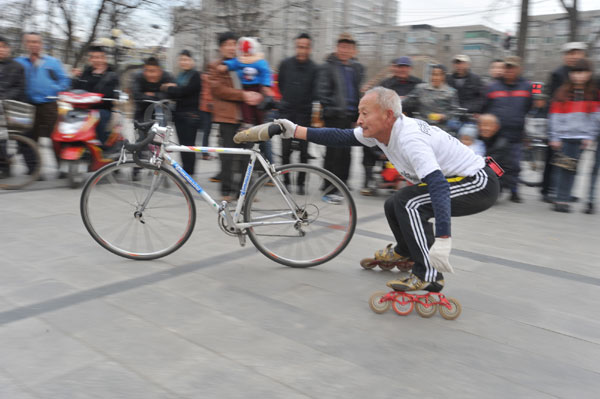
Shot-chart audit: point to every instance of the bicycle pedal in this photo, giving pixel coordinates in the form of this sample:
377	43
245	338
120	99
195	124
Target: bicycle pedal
242	238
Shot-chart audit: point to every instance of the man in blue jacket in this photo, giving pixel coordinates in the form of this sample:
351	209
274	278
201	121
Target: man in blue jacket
44	77
510	100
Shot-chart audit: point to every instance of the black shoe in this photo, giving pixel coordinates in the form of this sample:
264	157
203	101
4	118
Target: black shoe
310	156
589	209
547	199
562	207
574	199
514	197
215	179
301	190
62	175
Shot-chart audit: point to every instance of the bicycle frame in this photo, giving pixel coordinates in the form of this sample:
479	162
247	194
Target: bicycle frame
222	208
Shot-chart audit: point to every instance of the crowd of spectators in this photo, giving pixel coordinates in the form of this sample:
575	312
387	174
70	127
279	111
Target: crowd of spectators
488	113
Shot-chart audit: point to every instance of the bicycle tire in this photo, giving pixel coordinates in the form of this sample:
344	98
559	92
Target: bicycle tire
24	165
115	185
532	166
320	237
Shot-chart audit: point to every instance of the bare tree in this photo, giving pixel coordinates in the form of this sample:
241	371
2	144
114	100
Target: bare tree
573	14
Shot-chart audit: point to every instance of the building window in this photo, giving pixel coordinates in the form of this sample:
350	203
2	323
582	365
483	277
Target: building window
472	47
447	49
532	40
447	38
549	39
495	38
474	34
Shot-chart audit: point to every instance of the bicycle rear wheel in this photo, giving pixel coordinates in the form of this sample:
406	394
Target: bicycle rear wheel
321	201
20	161
113	212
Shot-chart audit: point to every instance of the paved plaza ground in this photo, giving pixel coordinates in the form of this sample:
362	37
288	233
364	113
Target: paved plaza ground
215	320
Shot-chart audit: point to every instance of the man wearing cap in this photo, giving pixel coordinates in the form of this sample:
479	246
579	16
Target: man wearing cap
338	91
467	84
572	52
402	82
510	100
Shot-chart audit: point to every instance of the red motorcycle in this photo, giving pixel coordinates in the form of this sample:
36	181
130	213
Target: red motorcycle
74	137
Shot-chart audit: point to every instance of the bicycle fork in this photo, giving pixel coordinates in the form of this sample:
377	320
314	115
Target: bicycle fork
139	212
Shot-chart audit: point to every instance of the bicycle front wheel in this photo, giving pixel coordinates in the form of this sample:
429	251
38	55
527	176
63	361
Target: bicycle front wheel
137	213
310	224
20	162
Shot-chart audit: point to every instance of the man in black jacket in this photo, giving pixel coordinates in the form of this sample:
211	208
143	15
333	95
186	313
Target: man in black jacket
297	80
12	87
146	86
98	77
467	84
338	91
402	82
12	75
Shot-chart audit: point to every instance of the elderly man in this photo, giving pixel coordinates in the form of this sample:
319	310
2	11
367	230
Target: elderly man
450	180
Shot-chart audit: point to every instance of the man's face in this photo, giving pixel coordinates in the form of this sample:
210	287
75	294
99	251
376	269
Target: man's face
571	57
371	117
438	77
152	73
4	51
497	70
345	51
186	63
97	59
303	49
228	49
511	72
33	44
401	71
487	127
461	67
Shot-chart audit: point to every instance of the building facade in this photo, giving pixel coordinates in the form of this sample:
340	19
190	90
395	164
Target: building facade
547	33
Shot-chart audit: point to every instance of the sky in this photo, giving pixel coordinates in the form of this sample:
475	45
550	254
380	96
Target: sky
505	18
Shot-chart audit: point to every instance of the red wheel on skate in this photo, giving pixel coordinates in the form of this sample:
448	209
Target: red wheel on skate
429	309
386	266
405	266
375	302
368	263
453	312
403	305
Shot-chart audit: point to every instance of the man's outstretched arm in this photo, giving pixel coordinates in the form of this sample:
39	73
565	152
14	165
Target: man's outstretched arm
331	137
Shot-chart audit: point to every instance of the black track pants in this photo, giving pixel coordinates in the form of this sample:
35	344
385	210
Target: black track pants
408	212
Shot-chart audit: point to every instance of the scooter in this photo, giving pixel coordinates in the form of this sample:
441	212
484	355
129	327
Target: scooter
74	137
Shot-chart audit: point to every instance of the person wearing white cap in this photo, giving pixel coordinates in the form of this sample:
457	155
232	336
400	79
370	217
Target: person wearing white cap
467	84
572	52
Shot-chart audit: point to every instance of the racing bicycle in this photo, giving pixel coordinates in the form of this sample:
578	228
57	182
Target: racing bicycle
140	207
